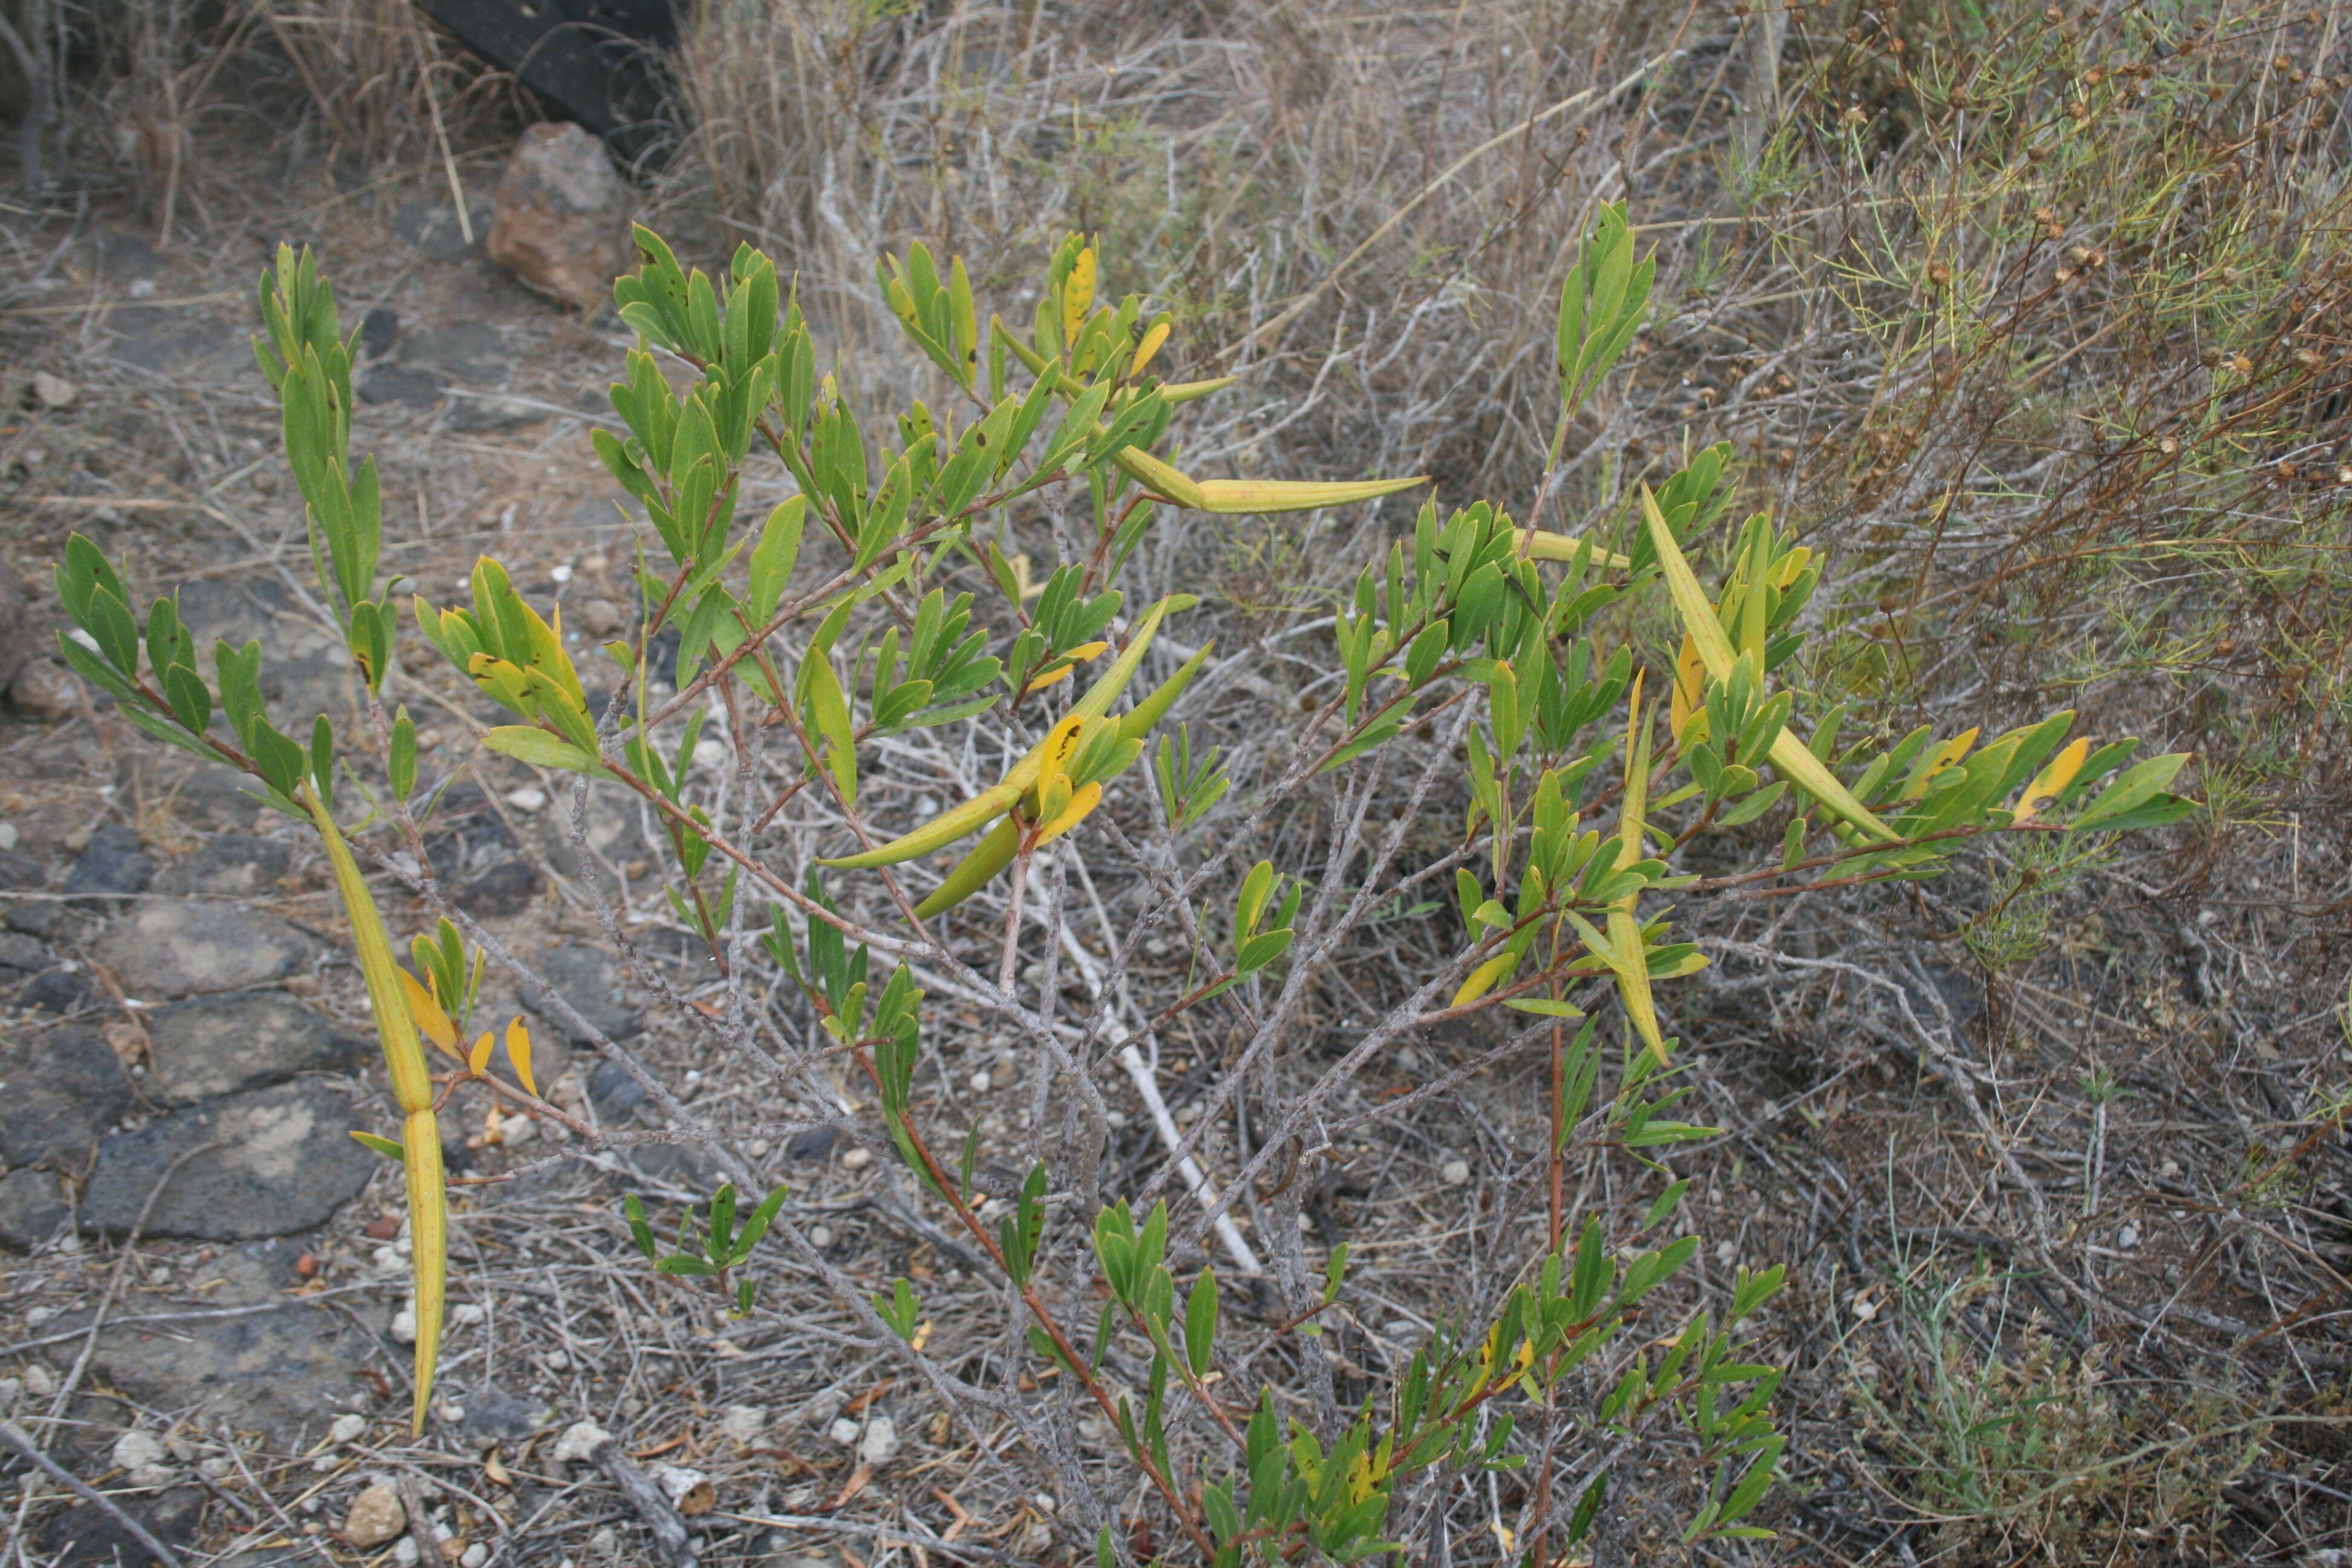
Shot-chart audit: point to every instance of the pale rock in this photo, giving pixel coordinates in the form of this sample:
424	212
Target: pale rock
346	1428
676	1481
562	214
142	1454
600	617
403	1326
745	1424
1456	1172
375	1517
529	798
474	1556
54	391
580	1441
468	1313
858	1159
843	1431
880	1443
45	689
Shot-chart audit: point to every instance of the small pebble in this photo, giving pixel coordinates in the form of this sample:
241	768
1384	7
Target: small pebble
2128	1237
843	1432
880	1443
346	1428
560	573
858	1159
580	1441
54	391
474	1556
979	1081
404	1552
529	798
468	1313
1456	1172
820	1236
710	752
375	1517
403	1326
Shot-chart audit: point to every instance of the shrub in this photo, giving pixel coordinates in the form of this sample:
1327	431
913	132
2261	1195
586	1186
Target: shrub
843	644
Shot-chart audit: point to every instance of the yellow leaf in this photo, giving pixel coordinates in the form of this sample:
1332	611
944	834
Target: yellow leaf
1633	962
1151	346
518	1055
1250	496
1076	656
1485	977
1077	296
1947	756
412	1088
427	1013
1789	754
1085	800
1542	546
2051	781
480	1057
1690	689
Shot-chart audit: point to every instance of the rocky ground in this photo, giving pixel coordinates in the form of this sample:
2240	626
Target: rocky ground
203	1291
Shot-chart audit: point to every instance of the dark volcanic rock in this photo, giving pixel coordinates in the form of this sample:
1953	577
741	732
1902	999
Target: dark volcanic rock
166	949
61	991
113	863
286	1373
240	865
246	1040
60	1092
283	1161
590	979
87	1536
395	384
378	329
506	888
617	1094
472	353
32	1207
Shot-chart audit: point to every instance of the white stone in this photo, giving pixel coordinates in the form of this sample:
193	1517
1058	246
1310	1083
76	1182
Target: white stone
474	1556
979	1081
346	1428
604	1542
580	1441
710	752
858	1159
403	1326
880	1443
8	836
2128	1237
677	1480
144	1455
404	1552
54	391
529	798
468	1313
39	1381
1455	1174
560	573
843	1432
745	1424
820	1236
